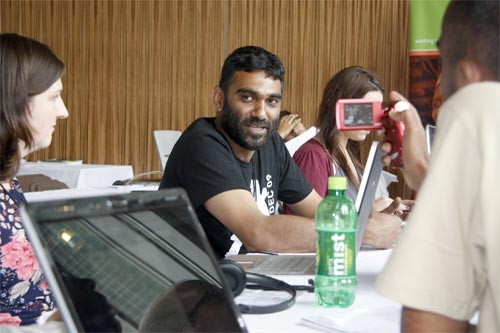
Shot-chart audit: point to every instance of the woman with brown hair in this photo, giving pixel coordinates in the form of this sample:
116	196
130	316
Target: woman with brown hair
30	104
336	153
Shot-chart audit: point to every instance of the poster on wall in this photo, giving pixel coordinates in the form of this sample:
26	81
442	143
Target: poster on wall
425	28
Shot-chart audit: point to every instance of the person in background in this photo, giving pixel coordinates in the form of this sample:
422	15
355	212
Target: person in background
30	105
336	153
290	125
238	168
446	267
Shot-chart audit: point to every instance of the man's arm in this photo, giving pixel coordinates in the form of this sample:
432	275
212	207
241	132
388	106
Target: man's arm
237	210
415	155
422	321
307	207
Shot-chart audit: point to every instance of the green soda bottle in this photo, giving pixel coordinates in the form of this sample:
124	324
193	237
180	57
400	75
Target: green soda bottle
336	224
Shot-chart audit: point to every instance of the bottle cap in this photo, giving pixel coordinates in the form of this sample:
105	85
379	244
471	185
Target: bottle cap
337	183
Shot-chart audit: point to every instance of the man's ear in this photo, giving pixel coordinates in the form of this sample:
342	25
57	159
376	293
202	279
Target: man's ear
218	99
469	72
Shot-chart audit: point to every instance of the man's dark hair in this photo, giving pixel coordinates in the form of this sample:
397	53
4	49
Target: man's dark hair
472	33
251	59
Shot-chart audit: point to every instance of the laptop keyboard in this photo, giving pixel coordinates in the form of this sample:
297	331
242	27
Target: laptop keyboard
286	265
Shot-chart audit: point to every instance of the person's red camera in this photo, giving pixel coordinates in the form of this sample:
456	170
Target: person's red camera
361	114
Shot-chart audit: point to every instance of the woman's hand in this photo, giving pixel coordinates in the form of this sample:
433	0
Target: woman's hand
415	154
397	206
383	202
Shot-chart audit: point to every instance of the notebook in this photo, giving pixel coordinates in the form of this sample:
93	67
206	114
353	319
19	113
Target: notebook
145	252
304	264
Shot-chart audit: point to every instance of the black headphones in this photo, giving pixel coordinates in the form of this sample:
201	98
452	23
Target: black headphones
237	279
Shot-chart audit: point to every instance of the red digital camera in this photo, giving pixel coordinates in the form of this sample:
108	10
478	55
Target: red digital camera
362	114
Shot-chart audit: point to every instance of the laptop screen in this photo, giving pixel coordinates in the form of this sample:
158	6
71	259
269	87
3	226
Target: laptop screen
143	255
367	189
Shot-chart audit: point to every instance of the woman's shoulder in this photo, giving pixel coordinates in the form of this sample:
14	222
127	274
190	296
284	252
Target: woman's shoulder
312	146
313	154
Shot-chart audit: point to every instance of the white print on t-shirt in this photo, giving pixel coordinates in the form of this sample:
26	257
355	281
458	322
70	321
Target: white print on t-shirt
264	198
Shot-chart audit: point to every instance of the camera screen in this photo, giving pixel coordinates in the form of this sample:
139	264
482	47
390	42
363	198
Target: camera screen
358	114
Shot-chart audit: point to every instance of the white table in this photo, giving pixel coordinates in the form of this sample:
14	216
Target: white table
370	312
73	193
79	175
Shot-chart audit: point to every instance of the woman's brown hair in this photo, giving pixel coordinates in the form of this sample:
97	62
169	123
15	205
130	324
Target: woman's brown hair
27	68
351	82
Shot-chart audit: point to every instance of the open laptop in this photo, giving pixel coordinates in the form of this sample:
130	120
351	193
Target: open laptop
304	264
165	141
145	252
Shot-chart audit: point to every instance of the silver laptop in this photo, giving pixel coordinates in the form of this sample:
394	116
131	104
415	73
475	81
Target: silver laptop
138	262
305	264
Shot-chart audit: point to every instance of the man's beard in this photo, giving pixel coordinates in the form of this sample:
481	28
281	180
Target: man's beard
236	129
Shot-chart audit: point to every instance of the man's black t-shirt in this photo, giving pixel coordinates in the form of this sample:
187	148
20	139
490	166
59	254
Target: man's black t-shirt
203	163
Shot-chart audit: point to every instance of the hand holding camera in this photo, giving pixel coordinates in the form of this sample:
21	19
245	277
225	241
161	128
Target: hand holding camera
361	114
416	155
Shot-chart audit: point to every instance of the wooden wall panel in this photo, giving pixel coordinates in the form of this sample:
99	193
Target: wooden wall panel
131	67
136	66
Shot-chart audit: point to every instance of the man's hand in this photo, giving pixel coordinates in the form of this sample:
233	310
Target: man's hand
415	155
382	229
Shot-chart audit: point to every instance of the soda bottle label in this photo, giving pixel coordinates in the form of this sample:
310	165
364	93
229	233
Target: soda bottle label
336	253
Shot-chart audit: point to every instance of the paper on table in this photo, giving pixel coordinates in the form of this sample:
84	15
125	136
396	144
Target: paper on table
323	323
356	320
259	297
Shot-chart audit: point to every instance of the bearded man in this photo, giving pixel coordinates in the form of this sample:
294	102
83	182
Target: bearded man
235	168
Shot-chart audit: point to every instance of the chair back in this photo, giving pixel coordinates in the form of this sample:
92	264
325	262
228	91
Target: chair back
165	141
